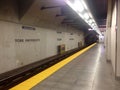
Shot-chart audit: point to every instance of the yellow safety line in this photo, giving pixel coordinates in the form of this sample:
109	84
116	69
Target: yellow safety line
33	81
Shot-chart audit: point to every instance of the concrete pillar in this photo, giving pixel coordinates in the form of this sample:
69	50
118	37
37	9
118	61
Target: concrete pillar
114	47
108	31
113	36
118	41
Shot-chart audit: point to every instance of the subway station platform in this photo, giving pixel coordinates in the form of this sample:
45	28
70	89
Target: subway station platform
89	71
58	45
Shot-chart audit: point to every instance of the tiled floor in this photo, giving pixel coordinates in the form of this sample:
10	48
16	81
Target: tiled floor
90	71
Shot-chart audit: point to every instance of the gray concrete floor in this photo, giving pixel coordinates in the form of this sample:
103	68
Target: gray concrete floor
90	71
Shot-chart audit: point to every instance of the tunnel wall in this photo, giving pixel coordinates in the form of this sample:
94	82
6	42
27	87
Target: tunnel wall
22	44
90	38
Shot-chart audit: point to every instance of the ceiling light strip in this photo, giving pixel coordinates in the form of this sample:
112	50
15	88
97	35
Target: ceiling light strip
82	10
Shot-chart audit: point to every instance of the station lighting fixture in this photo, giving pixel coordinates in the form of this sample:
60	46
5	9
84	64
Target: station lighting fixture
80	7
90	29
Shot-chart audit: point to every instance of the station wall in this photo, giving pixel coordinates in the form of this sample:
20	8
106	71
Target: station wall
22	44
33	37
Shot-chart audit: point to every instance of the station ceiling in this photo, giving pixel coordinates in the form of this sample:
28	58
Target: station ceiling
45	12
99	10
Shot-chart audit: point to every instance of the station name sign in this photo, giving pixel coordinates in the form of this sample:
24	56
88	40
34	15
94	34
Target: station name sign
27	40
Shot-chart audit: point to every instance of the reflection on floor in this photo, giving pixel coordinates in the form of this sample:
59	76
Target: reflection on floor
90	71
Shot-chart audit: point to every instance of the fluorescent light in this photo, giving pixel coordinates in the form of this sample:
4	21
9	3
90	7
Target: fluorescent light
90	21
93	24
70	4
90	29
83	11
81	15
84	4
86	16
78	6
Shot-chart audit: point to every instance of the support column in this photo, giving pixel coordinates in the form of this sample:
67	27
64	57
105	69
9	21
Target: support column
118	41
108	31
